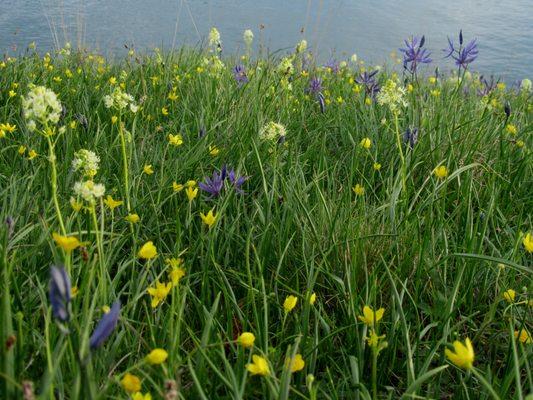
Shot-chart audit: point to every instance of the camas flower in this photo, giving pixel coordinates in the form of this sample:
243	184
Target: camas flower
105	327
463	354
59	293
410	137
369	81
414	53
315	88
463	55
239	73
214	185
41	105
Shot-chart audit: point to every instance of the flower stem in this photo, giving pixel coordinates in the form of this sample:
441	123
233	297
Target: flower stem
53	181
400	151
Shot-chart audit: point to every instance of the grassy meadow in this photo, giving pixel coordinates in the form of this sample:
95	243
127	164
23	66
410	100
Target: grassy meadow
189	225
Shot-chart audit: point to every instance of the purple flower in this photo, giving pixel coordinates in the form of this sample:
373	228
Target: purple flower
236	180
214	185
463	55
415	54
106	325
59	292
368	80
239	73
487	86
315	88
333	65
410	137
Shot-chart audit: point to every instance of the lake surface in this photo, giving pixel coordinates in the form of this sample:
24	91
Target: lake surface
333	28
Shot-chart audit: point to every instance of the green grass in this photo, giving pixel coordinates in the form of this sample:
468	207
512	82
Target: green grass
436	254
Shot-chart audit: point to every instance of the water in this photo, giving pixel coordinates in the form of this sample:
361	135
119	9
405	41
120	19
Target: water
333	28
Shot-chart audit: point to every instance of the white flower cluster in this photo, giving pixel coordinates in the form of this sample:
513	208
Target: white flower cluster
214	65
301	46
89	191
392	95
87	162
248	37
285	66
41	105
120	100
214	40
272	131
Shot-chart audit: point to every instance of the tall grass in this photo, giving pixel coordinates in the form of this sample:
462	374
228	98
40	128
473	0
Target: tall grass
436	253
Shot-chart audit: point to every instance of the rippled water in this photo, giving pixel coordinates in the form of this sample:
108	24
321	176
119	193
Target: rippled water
333	28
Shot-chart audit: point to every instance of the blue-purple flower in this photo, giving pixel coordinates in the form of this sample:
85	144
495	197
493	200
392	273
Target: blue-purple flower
59	292
236	180
368	80
333	65
239	73
487	86
315	88
463	55
410	137
215	184
414	54
105	327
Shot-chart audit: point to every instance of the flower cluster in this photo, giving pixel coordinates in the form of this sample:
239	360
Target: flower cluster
392	95
119	100
273	132
89	191
41	105
87	162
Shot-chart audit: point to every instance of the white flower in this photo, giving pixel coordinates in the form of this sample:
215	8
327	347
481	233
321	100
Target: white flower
285	66
120	100
525	85
41	105
214	39
86	161
272	131
353	58
89	191
392	95
248	37
301	47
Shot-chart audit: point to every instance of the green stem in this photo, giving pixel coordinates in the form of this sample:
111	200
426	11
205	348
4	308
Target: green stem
53	178
486	384
124	164
400	151
100	247
374	372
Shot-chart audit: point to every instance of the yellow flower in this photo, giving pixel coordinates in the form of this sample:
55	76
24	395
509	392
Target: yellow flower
74	291
22	150
246	339
441	172
312	299
190	183
148	170
164	111
296	364
511	129
175	140
520	143
191	193
140	396
410	88
463	354
528	242
177	187
76	205
67	243
6	128
112	203
159	292
174	262
175	275
133	218
156	357
209	219
106	309
12	93
172	96
32	154
147	251
373	339
290	303
368	101
213	150
435	92
366	143
259	366
359	190
524	336
432	80
370	316
112	80
131	383
377	166
114	119
509	295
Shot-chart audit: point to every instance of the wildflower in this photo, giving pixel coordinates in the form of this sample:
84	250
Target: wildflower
191	192
377	166
236	180
156	357
209	219
259	366
89	190
12	93
435	92
509	295
41	105
147	251
76	205
159	292
120	100
67	243
332	66
246	339
410	137
175	275
415	54
214	185
464	55
112	203
315	88
172	96
511	129
528	242
59	292
140	396
368	80
175	140
114	119
285	66
301	46
32	154
523	336
525	85
312	298
272	131
21	150
106	325
214	150
87	162
392	95
133	218
290	303
358	189
366	143
74	291
214	39
463	354
164	111
520	143
373	339
371	317
190	183
296	364
148	169
248	37
239	73
6	128
177	187
441	172
106	309
131	383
